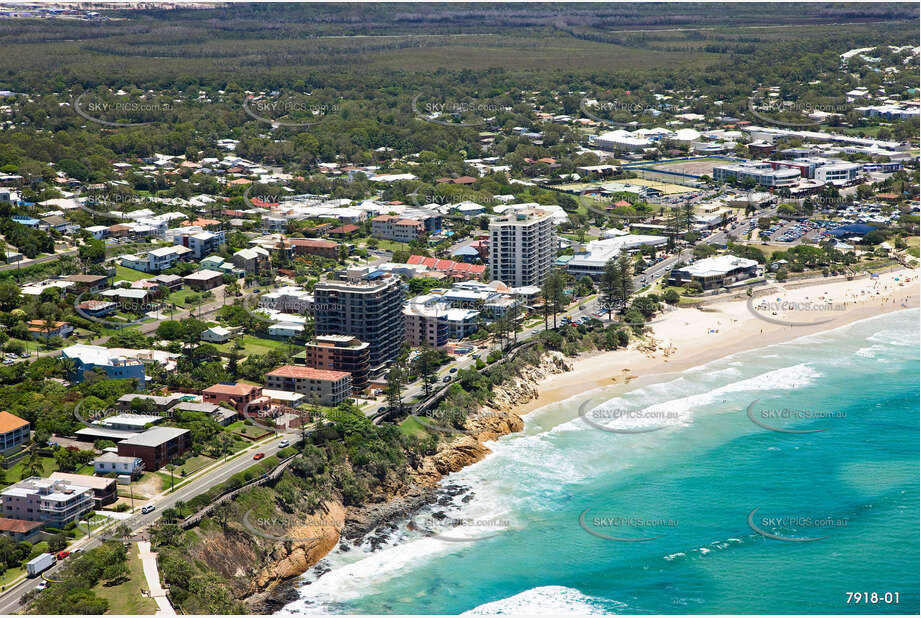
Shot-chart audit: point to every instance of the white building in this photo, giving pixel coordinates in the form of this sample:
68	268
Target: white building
597	253
619	140
522	247
112	463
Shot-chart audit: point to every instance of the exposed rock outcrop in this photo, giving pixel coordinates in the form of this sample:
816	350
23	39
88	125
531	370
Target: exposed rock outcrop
400	499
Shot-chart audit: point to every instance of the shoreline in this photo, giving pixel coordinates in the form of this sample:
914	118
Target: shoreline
682	339
691	337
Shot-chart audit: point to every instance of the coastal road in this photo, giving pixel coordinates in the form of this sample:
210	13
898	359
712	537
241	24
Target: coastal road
11	599
41	260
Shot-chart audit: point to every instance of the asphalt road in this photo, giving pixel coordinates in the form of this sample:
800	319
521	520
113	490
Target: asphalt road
41	260
10	601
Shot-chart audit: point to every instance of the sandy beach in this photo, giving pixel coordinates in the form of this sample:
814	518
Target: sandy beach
688	337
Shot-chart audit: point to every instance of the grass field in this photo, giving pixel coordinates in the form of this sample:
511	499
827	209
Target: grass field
253	345
180	296
125	598
413	427
128	274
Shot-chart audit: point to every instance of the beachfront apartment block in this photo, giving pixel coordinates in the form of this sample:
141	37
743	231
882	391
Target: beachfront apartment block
522	247
425	325
341	353
320	386
156	447
56	503
364	303
389	227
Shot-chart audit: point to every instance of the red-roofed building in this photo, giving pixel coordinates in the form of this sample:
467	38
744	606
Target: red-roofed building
255	201
13	431
344	230
240	396
321	386
459	270
387	227
19	529
315	246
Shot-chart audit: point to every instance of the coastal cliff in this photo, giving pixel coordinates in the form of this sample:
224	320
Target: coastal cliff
458	449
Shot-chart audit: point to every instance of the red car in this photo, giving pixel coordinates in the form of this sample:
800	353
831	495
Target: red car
63	554
258	456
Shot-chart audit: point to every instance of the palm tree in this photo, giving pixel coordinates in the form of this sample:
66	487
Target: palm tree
34	465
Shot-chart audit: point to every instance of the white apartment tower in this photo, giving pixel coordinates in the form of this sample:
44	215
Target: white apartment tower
522	247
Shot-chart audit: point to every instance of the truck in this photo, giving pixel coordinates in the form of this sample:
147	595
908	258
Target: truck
39	563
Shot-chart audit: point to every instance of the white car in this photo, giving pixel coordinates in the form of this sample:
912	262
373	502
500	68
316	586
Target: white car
284	443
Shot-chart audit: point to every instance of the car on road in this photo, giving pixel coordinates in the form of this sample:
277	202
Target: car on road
148	509
452	370
446	379
63	554
284	443
258	456
42	585
382	409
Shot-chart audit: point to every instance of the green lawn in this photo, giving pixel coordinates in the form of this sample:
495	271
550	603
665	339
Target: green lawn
412	427
128	274
253	345
194	464
11	574
14	474
180	296
125	598
251	431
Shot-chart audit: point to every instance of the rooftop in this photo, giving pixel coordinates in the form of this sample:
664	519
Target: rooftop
155	436
294	371
9	422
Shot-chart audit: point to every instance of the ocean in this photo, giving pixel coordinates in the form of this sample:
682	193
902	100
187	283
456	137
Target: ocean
781	480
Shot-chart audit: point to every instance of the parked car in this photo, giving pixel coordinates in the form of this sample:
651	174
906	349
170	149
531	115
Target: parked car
452	370
258	456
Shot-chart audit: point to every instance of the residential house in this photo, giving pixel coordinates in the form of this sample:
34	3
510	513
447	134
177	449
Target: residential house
14	431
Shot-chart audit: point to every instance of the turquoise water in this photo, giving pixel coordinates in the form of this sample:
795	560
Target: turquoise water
692	486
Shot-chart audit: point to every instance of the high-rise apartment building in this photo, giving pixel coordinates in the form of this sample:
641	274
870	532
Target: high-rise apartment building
522	247
366	304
